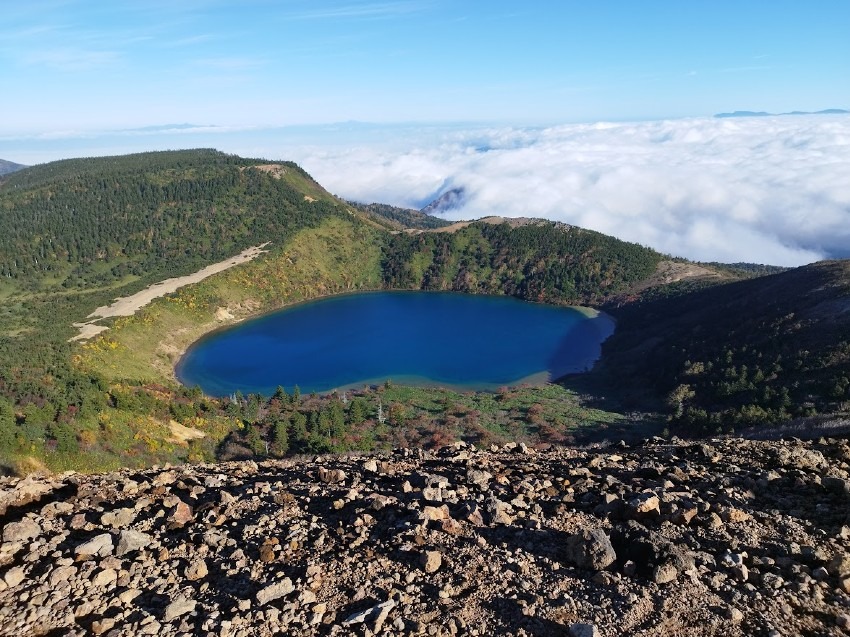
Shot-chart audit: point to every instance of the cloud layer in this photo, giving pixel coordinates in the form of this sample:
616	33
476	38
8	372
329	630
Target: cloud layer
768	190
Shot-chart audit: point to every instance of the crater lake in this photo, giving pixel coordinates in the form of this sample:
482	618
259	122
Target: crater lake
442	339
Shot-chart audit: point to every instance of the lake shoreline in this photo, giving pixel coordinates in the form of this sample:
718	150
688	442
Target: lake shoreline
581	356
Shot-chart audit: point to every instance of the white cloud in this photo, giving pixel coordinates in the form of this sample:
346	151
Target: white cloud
770	190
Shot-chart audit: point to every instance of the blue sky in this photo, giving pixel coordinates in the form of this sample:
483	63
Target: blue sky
71	65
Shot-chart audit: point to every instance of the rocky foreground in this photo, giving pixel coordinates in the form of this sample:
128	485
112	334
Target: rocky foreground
728	537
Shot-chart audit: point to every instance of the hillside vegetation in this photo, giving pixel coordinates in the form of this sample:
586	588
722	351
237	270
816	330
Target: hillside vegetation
85	223
539	261
396	218
707	356
753	352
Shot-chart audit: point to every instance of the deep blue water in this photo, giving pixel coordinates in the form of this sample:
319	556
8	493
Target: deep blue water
422	338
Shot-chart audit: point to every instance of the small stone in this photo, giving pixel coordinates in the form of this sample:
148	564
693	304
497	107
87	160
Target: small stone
843	621
430	561
432	494
473	515
118	518
196	570
497	511
267	553
603	578
99	545
733	615
481	479
664	573
583	630
836	485
165	478
839	566
771	580
450	526
104	577
435	513
21	531
330	476
383	611
378	613
275	591
61	574
685	514
590	549
129	595
844	584
180	515
645	505
714	521
100	626
733	514
14	576
370	466
178	608
307	596
152	628
129	541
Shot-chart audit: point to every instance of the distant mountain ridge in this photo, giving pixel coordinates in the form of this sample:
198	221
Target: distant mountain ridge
9	167
449	200
828	111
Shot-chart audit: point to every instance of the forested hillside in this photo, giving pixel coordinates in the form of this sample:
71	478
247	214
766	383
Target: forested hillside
90	222
540	261
733	356
401	218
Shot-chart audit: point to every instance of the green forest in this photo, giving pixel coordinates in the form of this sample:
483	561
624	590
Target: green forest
76	234
543	261
731	357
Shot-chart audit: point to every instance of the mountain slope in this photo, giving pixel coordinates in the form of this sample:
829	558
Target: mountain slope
828	111
655	540
8	167
400	218
84	222
747	353
530	259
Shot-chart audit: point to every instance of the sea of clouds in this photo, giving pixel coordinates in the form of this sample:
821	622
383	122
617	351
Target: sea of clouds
765	190
770	190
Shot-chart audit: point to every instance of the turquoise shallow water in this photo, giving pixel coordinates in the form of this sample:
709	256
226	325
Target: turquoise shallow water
428	338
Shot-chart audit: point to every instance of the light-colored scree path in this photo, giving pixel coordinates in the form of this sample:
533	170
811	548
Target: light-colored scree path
129	305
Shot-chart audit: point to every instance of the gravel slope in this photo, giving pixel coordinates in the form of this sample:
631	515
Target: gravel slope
724	538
